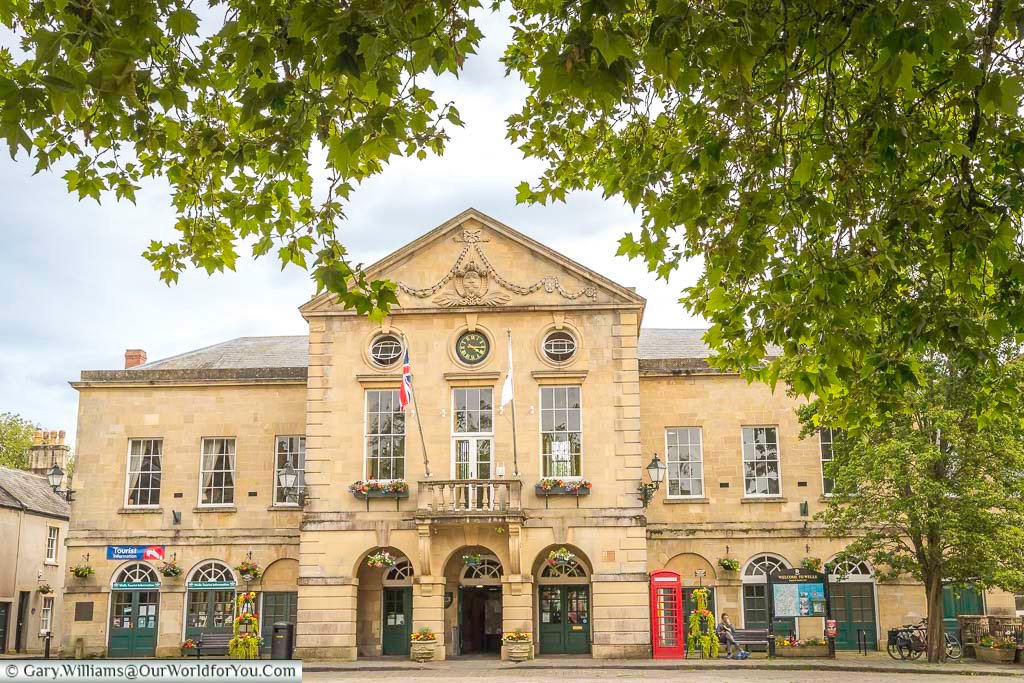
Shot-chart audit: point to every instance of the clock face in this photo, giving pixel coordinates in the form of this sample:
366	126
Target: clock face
472	348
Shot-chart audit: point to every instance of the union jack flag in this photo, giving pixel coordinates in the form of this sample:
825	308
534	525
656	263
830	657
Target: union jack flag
405	393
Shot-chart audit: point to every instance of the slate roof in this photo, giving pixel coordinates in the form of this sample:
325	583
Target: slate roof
287	358
31	492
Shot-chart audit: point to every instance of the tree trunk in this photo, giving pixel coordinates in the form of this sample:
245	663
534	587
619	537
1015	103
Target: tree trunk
936	641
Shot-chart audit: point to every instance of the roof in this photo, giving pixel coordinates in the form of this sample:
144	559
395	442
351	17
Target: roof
23	490
286	358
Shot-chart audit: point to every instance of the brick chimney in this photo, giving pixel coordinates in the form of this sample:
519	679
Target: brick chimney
48	447
133	357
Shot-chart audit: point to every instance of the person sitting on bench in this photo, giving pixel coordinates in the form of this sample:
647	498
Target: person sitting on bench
726	636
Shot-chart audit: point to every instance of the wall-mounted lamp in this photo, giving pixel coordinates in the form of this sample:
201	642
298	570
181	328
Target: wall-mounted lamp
656	471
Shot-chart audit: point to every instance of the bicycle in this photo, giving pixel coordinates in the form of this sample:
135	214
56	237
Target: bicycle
911	641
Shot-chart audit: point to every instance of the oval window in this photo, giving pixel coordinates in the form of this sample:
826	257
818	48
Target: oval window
559	346
386	349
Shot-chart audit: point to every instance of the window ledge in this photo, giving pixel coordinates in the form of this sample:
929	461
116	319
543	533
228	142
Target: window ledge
284	508
214	508
51	563
140	511
765	499
686	501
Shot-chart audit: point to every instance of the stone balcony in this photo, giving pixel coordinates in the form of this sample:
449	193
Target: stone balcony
469	500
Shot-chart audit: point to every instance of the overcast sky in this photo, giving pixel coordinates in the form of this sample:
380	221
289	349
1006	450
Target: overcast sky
77	291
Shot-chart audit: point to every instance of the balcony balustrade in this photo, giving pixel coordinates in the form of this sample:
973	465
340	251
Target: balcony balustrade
480	500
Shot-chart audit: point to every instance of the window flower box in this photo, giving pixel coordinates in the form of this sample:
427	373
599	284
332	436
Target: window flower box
805	647
996	650
364	490
563	487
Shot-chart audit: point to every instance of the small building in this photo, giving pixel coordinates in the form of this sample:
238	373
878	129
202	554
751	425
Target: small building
33	527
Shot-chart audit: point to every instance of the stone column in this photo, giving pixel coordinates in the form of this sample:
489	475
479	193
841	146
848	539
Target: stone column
428	609
621	616
171	618
327	618
517	607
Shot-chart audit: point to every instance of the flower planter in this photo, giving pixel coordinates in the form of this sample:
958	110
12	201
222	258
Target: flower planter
374	493
561	491
422	650
519	651
806	651
993	655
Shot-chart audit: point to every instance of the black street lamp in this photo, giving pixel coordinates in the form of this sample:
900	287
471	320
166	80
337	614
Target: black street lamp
55	476
656	471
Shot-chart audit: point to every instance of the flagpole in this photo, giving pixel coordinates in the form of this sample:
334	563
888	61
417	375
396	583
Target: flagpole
515	449
416	407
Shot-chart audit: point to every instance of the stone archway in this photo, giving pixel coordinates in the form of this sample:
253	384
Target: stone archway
473	600
279	597
564	602
384	605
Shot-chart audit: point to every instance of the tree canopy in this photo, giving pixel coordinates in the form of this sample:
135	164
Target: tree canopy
931	492
16	434
849	172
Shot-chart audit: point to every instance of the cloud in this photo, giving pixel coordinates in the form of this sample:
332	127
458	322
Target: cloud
78	292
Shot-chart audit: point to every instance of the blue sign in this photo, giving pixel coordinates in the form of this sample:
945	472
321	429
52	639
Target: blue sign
135	552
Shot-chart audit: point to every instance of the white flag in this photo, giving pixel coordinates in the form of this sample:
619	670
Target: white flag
507	390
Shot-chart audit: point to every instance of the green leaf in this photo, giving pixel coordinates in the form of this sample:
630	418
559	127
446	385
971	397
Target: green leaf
183	22
612	45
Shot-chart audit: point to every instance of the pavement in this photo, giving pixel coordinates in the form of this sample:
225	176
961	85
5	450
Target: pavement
850	667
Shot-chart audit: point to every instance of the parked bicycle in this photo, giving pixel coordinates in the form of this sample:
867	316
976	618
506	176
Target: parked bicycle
911	641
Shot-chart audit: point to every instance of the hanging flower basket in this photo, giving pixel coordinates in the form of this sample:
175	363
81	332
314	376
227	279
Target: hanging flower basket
562	487
811	564
395	488
380	560
82	571
170	569
250	571
473	560
729	564
44	589
560	557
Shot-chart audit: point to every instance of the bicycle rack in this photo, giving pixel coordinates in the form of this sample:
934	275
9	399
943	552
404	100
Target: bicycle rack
862	641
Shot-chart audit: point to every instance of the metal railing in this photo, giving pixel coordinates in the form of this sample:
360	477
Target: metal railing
469	496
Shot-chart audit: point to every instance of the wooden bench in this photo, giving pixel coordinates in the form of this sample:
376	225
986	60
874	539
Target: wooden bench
211	643
750	638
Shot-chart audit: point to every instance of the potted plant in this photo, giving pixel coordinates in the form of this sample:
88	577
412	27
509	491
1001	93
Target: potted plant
560	557
811	564
170	569
804	647
187	647
423	645
550	486
380	560
394	488
249	570
996	650
473	559
82	571
44	589
518	645
729	564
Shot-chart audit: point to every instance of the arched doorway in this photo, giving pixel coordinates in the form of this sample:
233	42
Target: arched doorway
563	607
695	571
852	598
279	598
210	604
479	605
134	609
755	594
384	606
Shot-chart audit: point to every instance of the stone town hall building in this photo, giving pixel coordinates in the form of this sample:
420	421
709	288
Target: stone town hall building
184	453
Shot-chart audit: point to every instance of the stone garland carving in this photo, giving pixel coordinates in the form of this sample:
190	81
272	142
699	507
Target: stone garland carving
472	280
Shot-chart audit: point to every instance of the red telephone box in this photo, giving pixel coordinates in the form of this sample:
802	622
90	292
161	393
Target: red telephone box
667	615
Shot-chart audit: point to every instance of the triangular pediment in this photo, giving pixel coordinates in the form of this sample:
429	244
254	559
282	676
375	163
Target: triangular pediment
473	261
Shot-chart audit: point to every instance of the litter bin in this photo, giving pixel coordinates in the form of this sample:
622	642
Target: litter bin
282	641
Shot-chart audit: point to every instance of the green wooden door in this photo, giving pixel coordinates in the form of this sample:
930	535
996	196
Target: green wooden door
853	608
210	611
133	620
957	600
277	607
397	628
564	620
